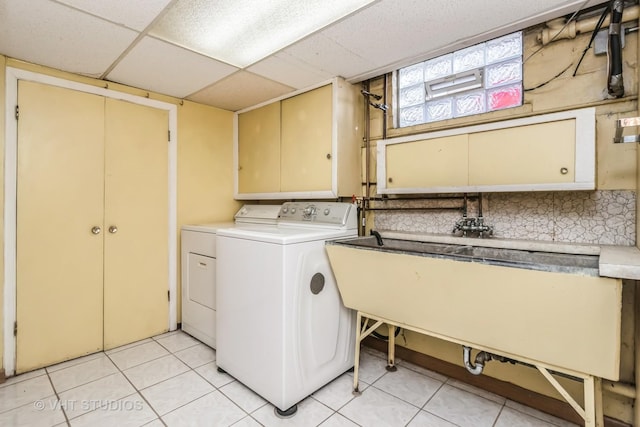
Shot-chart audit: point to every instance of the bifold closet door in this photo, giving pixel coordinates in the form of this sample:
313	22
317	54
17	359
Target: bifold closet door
136	255
60	208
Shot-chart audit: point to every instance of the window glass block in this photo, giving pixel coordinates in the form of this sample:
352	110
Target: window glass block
412	95
503	73
469	103
439	67
412	75
441	109
504	97
506	47
412	115
469	58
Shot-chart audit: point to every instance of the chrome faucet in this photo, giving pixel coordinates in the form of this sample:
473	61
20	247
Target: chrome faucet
472	225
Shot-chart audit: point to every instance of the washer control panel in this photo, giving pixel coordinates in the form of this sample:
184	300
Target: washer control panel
330	213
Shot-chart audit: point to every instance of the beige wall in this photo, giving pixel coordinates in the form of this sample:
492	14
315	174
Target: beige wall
2	113
616	170
205	143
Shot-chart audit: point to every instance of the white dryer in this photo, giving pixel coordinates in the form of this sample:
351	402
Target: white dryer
282	329
198	257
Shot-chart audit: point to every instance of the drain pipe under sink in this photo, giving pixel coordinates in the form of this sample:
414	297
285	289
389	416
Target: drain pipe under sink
481	359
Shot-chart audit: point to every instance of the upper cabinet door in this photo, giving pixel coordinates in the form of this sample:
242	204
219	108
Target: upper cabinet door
259	150
437	162
536	154
306	141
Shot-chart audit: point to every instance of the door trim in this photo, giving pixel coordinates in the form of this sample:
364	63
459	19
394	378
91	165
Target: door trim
10	193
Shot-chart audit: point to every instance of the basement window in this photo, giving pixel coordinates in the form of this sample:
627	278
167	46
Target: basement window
474	80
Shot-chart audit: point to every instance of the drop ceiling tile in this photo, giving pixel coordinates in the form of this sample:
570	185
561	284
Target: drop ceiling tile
328	56
289	71
133	14
240	90
162	67
58	36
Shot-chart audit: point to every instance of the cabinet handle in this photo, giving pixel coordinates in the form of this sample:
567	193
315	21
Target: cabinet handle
564	171
329	156
96	230
113	229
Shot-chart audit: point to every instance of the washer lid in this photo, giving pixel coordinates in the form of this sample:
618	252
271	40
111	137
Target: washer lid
285	235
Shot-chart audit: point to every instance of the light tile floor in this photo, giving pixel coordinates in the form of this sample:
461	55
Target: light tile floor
172	380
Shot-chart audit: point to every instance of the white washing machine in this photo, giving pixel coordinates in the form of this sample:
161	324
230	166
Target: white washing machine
198	256
282	329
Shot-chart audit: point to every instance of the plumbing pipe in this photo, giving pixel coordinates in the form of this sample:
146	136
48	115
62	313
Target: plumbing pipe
615	85
479	366
555	31
621	389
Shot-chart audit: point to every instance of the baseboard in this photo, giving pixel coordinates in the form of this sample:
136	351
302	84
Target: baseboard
505	389
3	377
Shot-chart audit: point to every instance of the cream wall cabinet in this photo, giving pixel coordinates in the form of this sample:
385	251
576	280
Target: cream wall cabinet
540	153
306	145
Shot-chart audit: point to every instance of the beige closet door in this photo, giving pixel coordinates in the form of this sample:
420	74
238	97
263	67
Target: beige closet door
59	202
136	257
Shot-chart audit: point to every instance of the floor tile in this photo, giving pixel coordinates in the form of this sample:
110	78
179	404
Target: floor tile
43	413
73	362
243	396
137	355
128	346
155	371
423	371
247	422
337	420
95	394
168	334
176	342
310	413
213	410
463	408
377	408
539	414
409	386
154	423
210	373
512	418
168	395
197	355
131	411
338	393
477	391
425	419
67	378
371	368
23	377
23	392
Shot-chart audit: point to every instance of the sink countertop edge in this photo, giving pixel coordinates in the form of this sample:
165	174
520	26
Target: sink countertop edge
620	262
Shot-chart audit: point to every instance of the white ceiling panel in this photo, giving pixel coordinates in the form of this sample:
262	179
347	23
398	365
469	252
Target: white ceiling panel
162	67
240	90
58	36
289	70
133	14
329	56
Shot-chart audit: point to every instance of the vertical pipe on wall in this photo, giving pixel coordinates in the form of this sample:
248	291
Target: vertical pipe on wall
367	161
636	312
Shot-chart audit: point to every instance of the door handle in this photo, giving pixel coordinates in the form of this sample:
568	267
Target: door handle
113	229
96	230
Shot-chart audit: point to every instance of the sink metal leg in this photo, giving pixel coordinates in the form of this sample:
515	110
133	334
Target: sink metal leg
356	362
391	351
592	412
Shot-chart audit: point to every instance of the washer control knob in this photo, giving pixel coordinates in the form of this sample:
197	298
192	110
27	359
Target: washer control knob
310	210
285	210
327	211
293	210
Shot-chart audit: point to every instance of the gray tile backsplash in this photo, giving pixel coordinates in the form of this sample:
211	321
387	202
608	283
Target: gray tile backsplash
595	217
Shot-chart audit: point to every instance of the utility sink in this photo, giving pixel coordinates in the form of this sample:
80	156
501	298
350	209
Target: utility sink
545	261
547	309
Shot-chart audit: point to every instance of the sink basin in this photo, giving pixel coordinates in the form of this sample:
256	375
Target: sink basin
546	261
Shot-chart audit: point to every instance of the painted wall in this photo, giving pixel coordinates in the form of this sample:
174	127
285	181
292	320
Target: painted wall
605	216
205	143
3	61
